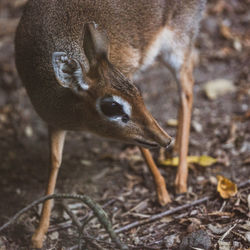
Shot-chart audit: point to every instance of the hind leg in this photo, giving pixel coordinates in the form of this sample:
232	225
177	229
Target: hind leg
180	62
185	111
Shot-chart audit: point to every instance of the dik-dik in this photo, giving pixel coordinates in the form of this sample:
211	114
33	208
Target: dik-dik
77	59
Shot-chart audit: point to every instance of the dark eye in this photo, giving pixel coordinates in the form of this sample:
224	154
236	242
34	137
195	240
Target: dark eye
111	108
125	118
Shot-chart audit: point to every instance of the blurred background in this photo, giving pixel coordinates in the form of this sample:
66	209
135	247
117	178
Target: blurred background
220	128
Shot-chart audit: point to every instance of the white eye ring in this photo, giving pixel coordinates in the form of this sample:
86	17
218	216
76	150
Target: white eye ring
118	119
126	106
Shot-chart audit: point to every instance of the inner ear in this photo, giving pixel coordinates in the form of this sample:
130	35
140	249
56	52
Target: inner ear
68	72
95	43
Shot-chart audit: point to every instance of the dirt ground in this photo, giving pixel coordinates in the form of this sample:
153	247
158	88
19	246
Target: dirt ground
115	173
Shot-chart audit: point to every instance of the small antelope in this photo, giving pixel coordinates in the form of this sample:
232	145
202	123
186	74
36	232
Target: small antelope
77	59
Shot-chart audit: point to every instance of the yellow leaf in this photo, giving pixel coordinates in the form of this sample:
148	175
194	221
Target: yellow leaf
204	161
170	162
225	187
172	122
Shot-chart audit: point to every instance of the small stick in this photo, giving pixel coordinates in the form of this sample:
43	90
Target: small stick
73	217
227	232
75	221
67	224
223	206
168	212
98	211
93	242
160	215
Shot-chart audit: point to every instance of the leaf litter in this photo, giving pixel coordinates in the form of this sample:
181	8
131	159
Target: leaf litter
224	54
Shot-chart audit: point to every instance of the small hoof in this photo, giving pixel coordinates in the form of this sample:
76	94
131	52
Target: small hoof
164	200
180	188
163	196
37	240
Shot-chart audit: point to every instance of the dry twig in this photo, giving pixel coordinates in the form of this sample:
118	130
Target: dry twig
227	232
168	212
68	223
160	215
97	210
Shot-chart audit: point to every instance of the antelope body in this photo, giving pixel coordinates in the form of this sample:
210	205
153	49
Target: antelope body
77	59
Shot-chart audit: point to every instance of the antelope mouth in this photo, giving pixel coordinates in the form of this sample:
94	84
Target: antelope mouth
146	144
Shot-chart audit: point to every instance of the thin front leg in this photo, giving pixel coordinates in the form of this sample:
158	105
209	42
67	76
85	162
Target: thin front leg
162	193
56	138
185	111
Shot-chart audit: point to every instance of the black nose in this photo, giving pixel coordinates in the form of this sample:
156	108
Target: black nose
169	142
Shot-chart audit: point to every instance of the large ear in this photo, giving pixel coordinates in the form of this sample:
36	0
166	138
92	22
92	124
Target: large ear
68	72
95	43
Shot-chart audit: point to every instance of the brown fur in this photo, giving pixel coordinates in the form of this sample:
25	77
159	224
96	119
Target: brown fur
135	30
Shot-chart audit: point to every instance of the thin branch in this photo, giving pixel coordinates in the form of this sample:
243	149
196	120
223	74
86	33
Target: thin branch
75	221
171	211
67	224
92	241
160	215
227	232
73	217
98	211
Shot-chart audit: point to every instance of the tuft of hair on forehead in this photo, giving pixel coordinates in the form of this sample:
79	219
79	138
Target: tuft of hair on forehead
119	82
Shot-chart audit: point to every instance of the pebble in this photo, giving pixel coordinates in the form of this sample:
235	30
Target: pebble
236	244
54	235
197	126
247	235
198	239
218	87
170	240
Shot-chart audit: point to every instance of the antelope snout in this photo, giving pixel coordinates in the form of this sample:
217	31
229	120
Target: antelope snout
161	137
167	142
164	140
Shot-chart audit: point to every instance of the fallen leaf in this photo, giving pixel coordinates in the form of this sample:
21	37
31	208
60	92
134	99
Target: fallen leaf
218	87
226	32
166	219
170	162
194	225
246	226
172	122
218	229
204	161
223	245
225	187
